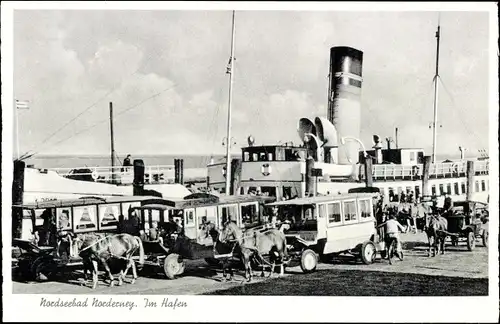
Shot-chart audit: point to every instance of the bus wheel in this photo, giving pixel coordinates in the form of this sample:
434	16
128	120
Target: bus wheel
172	267
368	252
308	261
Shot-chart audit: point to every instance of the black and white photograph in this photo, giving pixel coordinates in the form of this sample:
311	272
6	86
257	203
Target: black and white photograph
165	161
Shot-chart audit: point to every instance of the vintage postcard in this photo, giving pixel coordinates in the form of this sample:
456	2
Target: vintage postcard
248	161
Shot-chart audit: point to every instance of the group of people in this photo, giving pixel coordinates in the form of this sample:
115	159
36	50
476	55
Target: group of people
410	207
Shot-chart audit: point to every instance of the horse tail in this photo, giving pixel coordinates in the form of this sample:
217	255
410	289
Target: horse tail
141	250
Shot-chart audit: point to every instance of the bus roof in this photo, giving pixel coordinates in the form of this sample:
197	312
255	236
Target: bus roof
85	201
200	200
321	199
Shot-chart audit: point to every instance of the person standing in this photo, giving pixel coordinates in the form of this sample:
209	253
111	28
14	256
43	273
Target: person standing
127	162
448	204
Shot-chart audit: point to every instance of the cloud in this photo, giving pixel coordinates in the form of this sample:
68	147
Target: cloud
168	69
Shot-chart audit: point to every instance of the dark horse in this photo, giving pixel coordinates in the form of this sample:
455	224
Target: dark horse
227	251
436	227
97	248
255	244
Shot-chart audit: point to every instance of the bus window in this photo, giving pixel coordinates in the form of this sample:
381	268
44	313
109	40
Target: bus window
201	216
322	211
249	215
189	218
309	214
349	211
228	213
441	189
417	191
457	189
448	188
364	208
476	187
463	188
483	185
433	190
334	217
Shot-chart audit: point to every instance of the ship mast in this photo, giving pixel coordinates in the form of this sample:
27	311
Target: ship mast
436	90
230	70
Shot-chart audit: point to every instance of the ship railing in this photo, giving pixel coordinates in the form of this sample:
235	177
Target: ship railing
415	171
119	175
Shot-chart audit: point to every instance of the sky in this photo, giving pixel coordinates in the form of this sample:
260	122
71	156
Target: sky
165	72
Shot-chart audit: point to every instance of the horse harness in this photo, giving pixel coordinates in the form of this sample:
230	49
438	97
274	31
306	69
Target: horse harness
254	249
107	247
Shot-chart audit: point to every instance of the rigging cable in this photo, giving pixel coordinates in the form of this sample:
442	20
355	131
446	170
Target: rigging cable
105	120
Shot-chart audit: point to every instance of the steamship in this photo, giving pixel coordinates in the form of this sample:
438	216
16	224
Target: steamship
332	160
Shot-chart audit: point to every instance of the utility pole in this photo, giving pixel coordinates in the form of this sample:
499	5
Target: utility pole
112	142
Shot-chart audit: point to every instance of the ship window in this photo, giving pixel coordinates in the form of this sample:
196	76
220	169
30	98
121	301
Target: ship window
391	194
417	191
269	191
448	188
457	191
287	192
476	186
433	190
349	211
334	214
441	189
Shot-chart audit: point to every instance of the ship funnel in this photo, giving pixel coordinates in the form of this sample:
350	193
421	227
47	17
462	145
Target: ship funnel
344	98
305	127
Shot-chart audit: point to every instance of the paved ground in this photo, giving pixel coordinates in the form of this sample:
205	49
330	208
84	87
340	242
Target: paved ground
458	272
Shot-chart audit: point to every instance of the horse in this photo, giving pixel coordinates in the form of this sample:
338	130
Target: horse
232	249
95	248
436	229
255	244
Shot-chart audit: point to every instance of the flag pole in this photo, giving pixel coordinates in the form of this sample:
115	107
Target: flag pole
17	127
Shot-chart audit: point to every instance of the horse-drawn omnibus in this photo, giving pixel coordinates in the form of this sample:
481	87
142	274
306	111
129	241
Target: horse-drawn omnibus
324	226
44	247
188	239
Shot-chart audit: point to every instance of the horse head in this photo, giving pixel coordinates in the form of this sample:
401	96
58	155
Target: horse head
230	231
